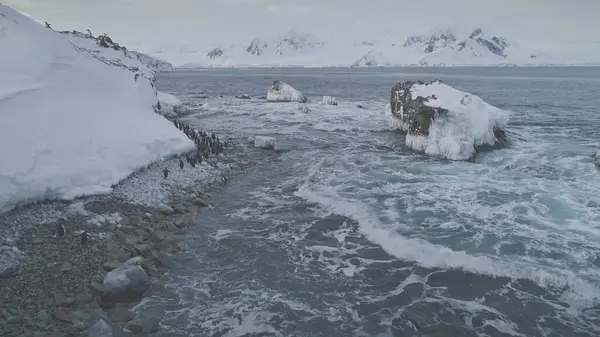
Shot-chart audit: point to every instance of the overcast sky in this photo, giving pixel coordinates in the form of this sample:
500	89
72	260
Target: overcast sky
140	24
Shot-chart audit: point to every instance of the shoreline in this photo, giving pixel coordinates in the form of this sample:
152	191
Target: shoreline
54	287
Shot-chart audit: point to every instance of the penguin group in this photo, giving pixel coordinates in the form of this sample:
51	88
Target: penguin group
206	144
61	231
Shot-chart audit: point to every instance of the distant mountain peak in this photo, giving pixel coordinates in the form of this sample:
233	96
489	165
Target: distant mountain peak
432	41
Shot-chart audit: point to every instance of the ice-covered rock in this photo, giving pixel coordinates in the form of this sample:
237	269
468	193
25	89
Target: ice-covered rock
443	121
111	219
76	117
126	283
10	257
170	106
303	108
264	142
283	92
329	100
100	329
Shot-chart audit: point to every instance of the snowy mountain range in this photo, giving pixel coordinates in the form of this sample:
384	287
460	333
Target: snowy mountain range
439	47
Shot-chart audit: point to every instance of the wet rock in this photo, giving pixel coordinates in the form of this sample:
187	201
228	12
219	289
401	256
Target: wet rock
160	236
147	326
110	265
66	266
134	261
163	208
126	283
83	298
201	202
100	329
9	270
60	299
142	249
62	315
80	316
120	314
44	316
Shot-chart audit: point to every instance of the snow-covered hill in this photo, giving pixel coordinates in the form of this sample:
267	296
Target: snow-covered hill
438	47
105	48
75	117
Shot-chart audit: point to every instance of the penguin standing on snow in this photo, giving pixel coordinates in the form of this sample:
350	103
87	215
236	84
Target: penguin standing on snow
166	173
60	231
181	164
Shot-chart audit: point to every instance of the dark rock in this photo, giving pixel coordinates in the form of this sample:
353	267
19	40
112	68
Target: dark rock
143	249
147	326
60	299
83	298
44	316
201	202
66	266
120	314
215	53
62	315
8	270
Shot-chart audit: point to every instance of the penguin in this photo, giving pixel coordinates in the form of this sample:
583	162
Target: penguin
60	231
85	237
181	164
166	173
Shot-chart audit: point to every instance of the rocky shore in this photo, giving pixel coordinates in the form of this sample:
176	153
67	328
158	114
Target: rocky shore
88	282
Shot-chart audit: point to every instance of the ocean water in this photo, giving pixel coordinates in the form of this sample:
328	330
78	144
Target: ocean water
342	231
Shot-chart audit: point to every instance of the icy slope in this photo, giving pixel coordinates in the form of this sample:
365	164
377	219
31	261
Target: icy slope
71	122
458	125
106	50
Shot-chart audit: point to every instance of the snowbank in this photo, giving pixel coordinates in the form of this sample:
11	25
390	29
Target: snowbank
283	92
73	122
170	105
443	121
